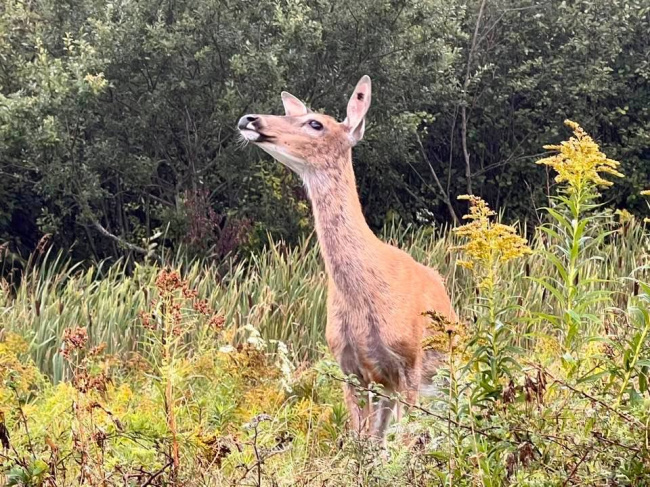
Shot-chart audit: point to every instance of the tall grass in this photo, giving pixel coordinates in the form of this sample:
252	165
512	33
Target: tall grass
546	382
281	291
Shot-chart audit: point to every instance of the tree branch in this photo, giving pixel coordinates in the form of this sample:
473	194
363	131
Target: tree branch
444	194
128	245
463	108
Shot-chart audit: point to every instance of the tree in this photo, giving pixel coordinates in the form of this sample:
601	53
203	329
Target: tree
117	119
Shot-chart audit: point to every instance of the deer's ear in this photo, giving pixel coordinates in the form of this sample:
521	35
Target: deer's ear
293	107
357	109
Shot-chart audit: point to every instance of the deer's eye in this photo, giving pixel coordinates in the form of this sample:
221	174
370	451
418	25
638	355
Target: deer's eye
316	125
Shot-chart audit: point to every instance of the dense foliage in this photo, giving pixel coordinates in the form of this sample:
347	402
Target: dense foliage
117	118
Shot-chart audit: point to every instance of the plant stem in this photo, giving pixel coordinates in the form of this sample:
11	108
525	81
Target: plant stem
637	352
492	316
572	274
168	340
452	395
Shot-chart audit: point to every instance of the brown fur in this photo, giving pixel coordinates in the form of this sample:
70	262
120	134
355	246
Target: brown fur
376	292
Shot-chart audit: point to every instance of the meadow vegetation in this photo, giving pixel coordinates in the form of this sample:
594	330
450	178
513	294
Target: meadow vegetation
200	373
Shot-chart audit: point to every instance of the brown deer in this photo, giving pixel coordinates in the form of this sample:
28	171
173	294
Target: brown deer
376	292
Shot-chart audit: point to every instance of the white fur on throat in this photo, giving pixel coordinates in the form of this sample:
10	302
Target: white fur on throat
294	163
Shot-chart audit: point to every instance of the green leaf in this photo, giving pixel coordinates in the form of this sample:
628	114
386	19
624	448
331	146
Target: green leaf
593	377
561	219
550	288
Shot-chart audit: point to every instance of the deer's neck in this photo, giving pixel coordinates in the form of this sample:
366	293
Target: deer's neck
348	245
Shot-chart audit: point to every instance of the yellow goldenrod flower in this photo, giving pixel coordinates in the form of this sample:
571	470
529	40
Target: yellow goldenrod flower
444	334
580	162
487	243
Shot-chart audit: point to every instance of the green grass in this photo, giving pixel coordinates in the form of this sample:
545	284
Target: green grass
281	291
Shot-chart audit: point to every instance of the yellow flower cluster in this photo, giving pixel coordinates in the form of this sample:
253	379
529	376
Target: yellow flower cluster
580	161
488	243
443	334
17	375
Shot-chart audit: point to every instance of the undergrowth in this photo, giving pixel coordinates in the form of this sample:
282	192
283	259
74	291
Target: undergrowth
195	373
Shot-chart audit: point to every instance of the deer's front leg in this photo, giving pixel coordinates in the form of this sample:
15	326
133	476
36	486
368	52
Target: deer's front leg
357	416
412	385
382	417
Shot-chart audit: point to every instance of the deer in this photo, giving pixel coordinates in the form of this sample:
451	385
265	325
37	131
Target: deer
377	294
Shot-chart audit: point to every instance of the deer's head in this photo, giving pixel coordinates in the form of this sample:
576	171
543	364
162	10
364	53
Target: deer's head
308	142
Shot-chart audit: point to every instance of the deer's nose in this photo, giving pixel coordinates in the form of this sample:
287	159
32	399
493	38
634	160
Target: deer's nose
248	119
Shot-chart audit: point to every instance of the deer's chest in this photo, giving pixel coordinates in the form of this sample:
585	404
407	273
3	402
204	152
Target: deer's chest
360	339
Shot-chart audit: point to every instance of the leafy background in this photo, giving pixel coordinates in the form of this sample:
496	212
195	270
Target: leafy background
117	118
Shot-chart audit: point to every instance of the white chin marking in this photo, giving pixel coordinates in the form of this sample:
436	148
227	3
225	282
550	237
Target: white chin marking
250	135
279	154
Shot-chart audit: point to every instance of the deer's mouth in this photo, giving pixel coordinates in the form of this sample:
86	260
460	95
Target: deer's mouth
255	136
